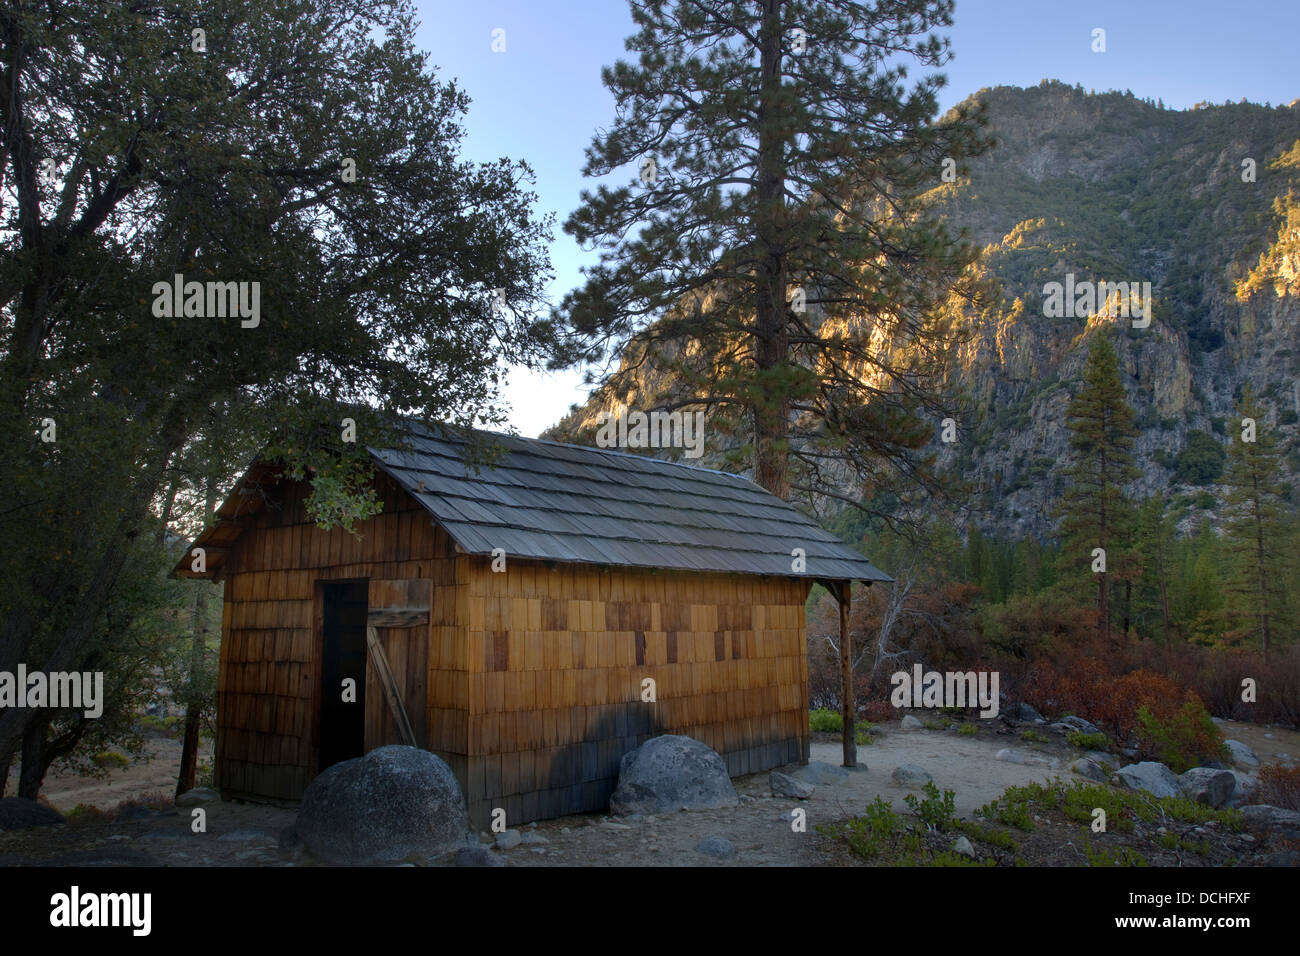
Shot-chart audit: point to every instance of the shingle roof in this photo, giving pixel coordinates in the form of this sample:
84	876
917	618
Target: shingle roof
549	501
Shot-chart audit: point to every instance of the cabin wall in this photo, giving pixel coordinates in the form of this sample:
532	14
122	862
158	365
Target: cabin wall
269	676
557	660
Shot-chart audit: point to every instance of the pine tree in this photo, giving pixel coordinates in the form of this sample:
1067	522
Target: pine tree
1155	535
774	252
1094	512
1255	529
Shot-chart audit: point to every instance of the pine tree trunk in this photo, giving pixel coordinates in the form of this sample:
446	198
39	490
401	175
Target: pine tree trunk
771	348
1259	557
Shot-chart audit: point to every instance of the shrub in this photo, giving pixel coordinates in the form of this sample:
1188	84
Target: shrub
1185	739
84	813
1034	737
1279	787
110	758
968	730
825	720
1078	738
934	809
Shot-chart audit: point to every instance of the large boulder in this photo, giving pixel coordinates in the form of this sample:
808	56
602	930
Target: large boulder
393	804
671	773
1241	755
1244	791
1150	776
19	812
1280	823
1208	786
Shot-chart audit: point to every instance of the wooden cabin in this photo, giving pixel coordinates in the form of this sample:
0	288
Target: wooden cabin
530	622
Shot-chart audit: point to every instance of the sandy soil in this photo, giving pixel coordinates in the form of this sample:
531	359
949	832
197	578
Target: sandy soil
145	775
249	835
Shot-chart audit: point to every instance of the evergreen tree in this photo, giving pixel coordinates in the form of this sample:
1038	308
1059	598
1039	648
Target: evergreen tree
774	252
1094	512
1155	536
1255	529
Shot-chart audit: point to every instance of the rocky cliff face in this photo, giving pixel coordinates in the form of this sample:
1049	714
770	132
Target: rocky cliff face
1088	188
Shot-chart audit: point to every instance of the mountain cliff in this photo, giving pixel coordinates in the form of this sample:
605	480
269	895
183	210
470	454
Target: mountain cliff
1198	207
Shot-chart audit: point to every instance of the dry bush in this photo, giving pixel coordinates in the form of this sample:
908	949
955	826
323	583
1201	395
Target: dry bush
1279	787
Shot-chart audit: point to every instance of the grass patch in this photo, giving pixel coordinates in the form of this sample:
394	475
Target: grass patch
1077	738
968	730
1034	737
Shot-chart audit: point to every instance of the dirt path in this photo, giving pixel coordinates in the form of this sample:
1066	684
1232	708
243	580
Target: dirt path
759	831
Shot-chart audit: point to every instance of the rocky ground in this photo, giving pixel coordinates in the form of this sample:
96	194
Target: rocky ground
977	767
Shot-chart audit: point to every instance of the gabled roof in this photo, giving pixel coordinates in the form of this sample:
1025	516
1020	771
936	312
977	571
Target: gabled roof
554	502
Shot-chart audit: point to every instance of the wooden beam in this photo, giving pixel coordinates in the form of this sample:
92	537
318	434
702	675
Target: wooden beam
844	594
385	674
397	616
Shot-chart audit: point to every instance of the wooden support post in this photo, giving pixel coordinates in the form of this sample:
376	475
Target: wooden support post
848	709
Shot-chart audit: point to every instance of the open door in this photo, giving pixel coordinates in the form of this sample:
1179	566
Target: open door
343	658
397	674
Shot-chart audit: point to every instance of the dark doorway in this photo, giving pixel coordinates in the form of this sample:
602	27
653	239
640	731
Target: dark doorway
343	656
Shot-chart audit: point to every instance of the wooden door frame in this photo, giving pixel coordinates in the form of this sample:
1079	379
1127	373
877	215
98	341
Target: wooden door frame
318	657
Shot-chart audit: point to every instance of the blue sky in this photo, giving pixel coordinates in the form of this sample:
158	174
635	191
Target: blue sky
541	99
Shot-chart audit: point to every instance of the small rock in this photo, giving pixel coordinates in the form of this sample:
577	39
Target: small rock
477	856
532	838
1241	755
717	847
963	846
538	849
1090	770
787	817
822	774
1103	759
243	836
611	825
912	776
789	786
1079	724
911	723
1024	712
509	839
1024	759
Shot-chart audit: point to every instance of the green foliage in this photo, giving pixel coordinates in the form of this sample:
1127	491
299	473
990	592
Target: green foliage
825	720
1086	741
1093	509
1260	563
935	810
1188	739
1121	856
111	760
968	730
1201	460
1033	736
